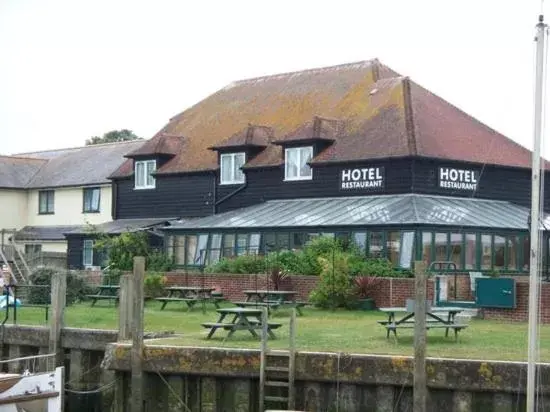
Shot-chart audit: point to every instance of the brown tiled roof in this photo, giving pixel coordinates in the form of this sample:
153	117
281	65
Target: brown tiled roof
161	144
252	135
379	114
317	128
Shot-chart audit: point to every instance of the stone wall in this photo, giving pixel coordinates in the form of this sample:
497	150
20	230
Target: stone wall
389	291
213	379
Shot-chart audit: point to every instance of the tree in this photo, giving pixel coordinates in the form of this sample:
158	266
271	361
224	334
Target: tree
113	136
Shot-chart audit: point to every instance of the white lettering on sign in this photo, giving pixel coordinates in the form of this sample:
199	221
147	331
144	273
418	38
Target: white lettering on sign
460	179
363	178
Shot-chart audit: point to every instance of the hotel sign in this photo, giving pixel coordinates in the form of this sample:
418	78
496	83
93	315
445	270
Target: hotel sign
367	178
458	179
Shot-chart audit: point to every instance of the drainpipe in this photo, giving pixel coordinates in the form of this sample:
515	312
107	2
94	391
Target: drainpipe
214	192
230	195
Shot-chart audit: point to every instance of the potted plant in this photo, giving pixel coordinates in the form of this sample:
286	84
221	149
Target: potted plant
364	286
277	277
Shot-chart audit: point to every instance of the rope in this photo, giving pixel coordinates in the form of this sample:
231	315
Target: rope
98	390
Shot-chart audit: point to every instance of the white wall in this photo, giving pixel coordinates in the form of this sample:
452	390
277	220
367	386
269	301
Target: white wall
68	208
13	209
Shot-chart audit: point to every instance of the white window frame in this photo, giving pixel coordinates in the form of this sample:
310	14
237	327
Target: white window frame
300	162
232	157
145	164
84	248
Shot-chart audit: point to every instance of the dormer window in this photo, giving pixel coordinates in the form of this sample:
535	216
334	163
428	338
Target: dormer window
230	168
143	174
296	163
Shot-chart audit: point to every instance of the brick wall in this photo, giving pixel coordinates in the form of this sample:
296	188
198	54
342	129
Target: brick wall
521	311
389	291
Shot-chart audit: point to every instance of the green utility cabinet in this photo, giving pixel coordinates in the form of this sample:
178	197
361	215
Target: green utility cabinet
496	293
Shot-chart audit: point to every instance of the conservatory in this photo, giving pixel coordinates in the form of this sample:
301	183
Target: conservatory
475	234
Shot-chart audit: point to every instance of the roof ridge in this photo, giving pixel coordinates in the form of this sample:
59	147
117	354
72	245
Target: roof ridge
23	158
360	63
78	147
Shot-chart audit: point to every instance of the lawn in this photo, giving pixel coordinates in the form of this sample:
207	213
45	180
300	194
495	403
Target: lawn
317	330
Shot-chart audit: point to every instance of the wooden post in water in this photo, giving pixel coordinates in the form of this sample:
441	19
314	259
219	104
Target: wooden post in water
137	336
292	361
58	301
420	391
126	307
263	354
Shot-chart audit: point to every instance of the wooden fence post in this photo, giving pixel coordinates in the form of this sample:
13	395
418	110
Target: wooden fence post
126	307
420	392
58	301
137	336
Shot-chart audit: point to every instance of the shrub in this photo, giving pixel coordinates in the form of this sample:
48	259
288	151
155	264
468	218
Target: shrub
154	284
334	288
122	249
238	264
76	287
365	285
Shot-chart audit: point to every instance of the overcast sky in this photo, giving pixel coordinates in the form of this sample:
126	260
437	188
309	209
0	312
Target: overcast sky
73	69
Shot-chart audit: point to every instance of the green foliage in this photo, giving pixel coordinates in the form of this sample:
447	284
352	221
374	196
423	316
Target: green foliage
113	136
154	285
76	287
334	289
238	264
122	249
306	261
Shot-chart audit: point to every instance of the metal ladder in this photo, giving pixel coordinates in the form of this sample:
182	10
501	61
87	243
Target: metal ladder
277	369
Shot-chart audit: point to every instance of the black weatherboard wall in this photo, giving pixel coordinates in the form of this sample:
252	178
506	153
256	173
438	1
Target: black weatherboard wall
186	195
268	184
193	194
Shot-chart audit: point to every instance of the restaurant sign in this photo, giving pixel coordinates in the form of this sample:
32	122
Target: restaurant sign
458	179
368	178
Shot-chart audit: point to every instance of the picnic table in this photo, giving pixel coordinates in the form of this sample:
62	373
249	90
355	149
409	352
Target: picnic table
435	318
190	295
242	319
106	292
272	299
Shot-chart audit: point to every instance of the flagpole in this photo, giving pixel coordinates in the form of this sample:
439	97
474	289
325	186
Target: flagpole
534	263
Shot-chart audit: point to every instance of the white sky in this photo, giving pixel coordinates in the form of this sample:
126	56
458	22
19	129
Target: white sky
73	69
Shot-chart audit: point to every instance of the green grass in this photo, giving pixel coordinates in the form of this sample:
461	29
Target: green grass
317	330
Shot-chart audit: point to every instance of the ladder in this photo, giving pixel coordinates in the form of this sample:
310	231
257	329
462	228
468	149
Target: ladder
277	369
17	271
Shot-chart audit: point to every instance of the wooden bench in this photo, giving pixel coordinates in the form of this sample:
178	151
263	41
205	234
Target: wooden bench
273	304
190	302
95	298
213	326
410	325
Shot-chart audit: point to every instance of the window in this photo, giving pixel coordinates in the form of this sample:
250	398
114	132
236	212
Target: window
470	256
91	199
393	246
512	249
242	243
296	167
190	249
46	202
360	240
88	253
440	247
427	247
32	250
376	244
407	248
200	252
179	250
499	248
231	172
456	249
486	249
228	245
144	177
